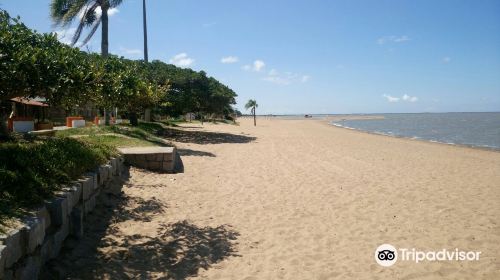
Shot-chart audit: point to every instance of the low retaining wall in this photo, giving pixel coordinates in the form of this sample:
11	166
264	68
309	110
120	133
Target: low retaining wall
160	159
25	250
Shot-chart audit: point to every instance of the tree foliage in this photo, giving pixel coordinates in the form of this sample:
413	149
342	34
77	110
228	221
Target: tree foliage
34	64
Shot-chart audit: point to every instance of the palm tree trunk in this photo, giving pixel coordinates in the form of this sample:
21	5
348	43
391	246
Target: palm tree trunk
104	38
254	117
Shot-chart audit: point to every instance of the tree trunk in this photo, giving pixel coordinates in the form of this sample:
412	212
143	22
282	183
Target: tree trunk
104	38
147	115
254	118
133	119
106	117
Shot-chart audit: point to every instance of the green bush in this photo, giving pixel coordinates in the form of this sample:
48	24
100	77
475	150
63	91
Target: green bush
30	172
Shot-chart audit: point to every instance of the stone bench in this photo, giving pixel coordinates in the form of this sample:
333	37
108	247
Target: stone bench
160	159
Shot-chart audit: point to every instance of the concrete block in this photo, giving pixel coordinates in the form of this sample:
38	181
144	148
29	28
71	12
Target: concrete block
43	214
46	250
58	209
76	221
58	239
29	269
34	233
89	204
74	194
154	165
78	123
88	186
8	274
95	178
109	170
168	166
114	166
103	174
167	157
14	246
3	253
120	165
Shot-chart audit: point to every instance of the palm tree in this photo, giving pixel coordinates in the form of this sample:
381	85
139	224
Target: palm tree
252	104
64	12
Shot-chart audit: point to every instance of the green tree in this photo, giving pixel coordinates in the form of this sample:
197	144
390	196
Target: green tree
64	12
252	104
38	65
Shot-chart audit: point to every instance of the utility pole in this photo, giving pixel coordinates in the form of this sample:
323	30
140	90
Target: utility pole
145	31
147	112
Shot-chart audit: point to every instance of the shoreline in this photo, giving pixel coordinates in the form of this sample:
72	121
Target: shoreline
470	146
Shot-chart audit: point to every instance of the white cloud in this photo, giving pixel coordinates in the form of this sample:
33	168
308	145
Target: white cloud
98	11
446	59
277	80
408	98
229	59
112	11
133	52
405	98
182	60
391	98
286	78
258	65
64	36
393	39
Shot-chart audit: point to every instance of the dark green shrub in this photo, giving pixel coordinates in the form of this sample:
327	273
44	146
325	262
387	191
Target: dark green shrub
31	171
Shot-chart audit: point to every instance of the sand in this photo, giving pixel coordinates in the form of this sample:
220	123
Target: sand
297	199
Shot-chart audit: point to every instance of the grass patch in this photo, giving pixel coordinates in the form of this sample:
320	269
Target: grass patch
32	171
117	141
145	134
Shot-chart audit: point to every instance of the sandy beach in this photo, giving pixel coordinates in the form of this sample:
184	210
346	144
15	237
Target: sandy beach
297	199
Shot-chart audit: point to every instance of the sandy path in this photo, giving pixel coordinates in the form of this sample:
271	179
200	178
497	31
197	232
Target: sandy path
300	200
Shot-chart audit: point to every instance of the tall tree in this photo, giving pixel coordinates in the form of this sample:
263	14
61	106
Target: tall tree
89	13
253	105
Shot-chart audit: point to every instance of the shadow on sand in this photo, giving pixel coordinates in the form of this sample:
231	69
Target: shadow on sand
205	137
189	152
109	251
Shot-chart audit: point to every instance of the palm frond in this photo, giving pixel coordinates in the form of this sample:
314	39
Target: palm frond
63	12
92	31
114	3
83	22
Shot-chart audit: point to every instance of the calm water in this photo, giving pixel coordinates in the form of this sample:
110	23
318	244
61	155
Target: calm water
475	129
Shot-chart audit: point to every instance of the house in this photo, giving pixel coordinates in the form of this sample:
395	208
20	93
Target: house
27	115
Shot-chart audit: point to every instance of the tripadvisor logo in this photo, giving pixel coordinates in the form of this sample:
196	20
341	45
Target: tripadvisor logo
387	255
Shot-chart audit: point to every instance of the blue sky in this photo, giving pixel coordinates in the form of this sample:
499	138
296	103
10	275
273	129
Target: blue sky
311	56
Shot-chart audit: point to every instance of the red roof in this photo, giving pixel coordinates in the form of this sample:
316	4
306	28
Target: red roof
29	102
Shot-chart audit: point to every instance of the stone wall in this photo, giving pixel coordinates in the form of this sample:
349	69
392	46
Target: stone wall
160	159
25	250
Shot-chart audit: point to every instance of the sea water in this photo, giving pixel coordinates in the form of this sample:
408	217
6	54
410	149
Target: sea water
472	129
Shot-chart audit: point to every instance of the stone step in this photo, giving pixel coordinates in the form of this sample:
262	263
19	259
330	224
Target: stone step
161	159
